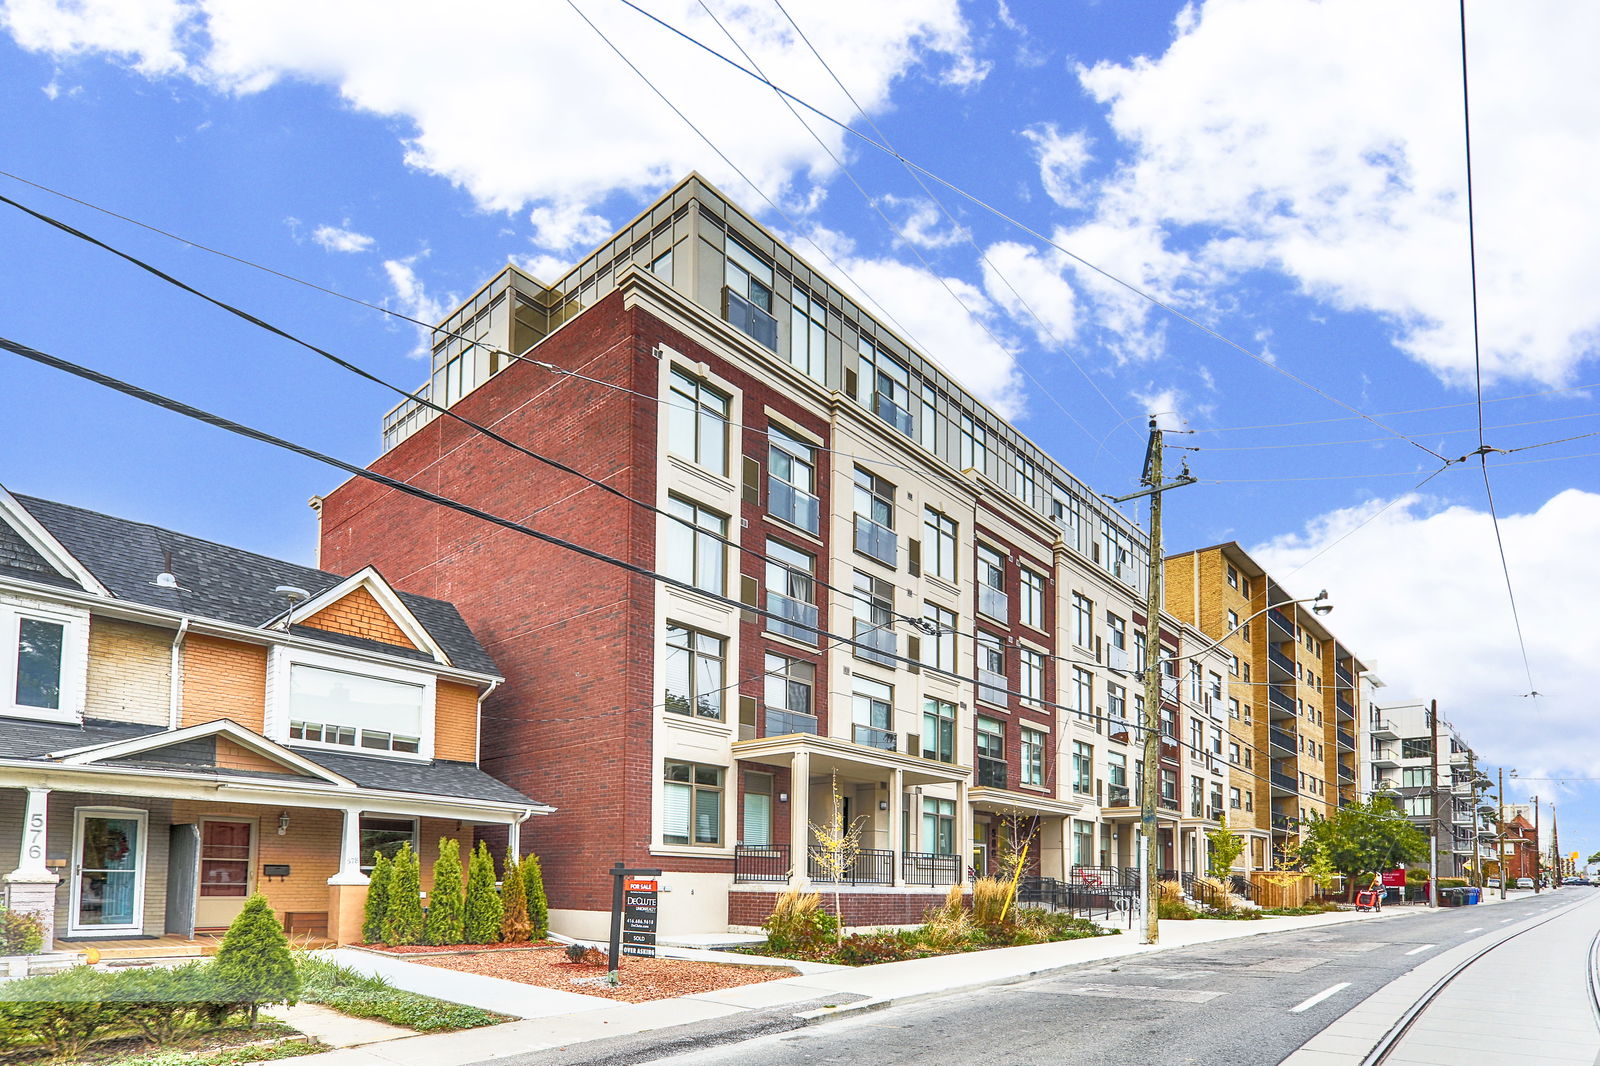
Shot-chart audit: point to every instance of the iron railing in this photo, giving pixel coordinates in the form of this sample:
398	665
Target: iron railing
1279	659
1347	739
1281	737
930	868
867	867
1204	890
1279	622
1287	782
1281	701
761	862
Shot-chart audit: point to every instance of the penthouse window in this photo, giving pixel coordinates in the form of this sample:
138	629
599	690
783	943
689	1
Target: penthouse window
974	445
891	387
697	422
748	295
1027	481
808	334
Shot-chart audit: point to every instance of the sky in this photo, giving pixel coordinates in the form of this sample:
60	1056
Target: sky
1247	217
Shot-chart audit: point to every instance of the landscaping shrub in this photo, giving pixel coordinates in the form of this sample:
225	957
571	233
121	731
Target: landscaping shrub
402	916
798	925
254	964
63	1011
950	927
1454	882
1174	910
445	921
990	898
21	932
354	993
575	952
538	904
514	926
377	906
484	910
162	1001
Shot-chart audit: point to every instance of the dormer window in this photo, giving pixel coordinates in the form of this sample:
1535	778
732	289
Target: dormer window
41	663
326	701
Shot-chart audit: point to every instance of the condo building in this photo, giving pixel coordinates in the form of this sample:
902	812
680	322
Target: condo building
1427	770
883	599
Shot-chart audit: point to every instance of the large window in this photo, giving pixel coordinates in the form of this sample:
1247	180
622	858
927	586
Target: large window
938	826
691	809
749	281
1116	707
874	623
991	745
1116	642
992	598
1082	767
938	730
695	546
385	836
40	656
891	387
874	533
697	422
974	445
1083	694
1031	608
1416	748
939	544
1083	843
1082	621
791	592
757	820
694	672
808	334
792	482
1416	777
1027	476
1034	743
939	650
788	692
353	710
1031	677
873	708
991	654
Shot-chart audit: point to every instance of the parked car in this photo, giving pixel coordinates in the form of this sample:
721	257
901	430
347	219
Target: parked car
1524	882
1577	881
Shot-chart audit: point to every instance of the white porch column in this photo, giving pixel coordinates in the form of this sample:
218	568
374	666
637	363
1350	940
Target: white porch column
31	887
799	819
897	839
350	852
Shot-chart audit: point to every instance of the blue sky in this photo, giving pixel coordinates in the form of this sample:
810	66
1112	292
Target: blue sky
1288	174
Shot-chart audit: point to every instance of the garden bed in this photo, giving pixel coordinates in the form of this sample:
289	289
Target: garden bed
217	1047
643	979
455	949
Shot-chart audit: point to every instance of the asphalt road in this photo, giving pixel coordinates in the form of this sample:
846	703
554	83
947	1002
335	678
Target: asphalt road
1240	1003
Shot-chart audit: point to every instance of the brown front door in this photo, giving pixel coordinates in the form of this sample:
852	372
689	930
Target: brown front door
225	853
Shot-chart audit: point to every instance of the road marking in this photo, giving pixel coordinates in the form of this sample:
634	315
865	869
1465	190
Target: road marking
1503	921
1477	930
1319	997
1420	950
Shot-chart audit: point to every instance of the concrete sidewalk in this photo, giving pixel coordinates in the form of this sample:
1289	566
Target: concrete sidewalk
827	991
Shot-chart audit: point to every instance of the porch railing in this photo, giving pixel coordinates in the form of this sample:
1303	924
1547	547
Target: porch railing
929	868
761	862
868	867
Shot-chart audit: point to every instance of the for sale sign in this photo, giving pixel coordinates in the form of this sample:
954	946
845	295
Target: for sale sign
639	897
1395	878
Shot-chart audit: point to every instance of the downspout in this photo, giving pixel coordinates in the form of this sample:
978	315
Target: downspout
477	734
175	701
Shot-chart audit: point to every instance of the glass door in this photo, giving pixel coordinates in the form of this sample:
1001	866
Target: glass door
108	882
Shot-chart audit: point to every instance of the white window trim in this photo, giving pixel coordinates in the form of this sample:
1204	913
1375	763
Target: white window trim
278	711
74	659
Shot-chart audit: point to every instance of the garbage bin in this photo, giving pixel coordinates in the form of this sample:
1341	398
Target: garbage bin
1474	895
1452	897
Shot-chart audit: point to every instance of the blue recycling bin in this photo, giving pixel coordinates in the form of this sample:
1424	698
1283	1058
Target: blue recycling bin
1474	895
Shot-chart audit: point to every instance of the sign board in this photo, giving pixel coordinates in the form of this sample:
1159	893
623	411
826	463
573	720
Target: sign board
1395	878
639	916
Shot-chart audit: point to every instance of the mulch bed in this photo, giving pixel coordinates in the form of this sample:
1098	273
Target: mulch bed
454	949
642	979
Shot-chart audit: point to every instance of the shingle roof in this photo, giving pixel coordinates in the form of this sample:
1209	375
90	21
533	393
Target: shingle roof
217	581
23	739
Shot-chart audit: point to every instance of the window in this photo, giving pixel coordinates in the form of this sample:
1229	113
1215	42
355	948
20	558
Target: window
1027	476
749	290
938	826
1249	758
1117	781
695	546
992	599
1233	752
1419	806
1082	621
974	445
873	706
1233	621
787	692
1196	686
1235	799
1416	777
939	650
991	668
1417	748
1031	588
353	710
1197	737
1216	741
792	481
1233	577
694	672
1139	650
874	611
1082	843
1033	749
991	745
1116	708
661	266
1233	665
874	499
1249	799
385	836
1031	680
41	655
1082	767
691	804
1233	707
1169	788
939	544
1083	693
1197	796
808	334
891	387
224	858
1116	642
791	590
938	730
697	422
757	808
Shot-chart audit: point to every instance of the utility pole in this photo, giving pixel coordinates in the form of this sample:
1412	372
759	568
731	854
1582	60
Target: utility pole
1150	790
1537	853
1433	807
1555	851
1500	836
1477	847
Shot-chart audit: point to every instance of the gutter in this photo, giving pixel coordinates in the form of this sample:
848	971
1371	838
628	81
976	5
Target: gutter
175	700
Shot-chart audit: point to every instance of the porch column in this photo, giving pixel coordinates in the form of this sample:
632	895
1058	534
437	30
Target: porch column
31	887
799	819
347	889
897	838
350	852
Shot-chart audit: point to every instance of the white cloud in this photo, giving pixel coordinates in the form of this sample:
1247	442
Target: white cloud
924	224
567	225
1171	407
342	239
1029	285
1342	166
147	34
1062	158
1419	593
411	298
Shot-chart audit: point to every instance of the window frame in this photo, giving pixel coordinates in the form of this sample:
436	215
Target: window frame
706	546
362	830
940	544
1033	743
695	787
279	711
71	680
694	653
1031	597
684	395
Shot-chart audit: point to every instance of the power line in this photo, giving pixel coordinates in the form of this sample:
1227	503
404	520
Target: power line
1408	411
1377	440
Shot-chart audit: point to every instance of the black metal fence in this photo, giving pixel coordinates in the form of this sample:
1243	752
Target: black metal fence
1097	902
868	867
761	862
927	868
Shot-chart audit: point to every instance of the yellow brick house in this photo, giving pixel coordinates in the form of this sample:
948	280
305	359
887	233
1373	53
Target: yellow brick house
183	723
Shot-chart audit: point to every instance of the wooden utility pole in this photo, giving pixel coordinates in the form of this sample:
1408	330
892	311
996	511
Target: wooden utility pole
1538	855
1500	836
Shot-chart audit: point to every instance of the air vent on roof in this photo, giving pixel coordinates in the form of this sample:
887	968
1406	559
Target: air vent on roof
167	579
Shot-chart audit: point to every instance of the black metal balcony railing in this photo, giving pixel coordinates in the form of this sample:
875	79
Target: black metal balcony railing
1283	629
1118	796
796	619
1279	659
795	506
993	602
1346	774
867	867
761	862
1345	707
876	541
873	737
992	687
991	772
782	722
876	643
1285	781
1281	701
1281	738
1280	822
752	319
1347	739
930	868
1344	675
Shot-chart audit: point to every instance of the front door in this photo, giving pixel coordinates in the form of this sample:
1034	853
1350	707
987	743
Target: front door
225	865
108	872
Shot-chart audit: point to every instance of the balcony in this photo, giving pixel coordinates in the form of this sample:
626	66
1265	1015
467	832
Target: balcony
867	867
781	723
1383	729
1347	775
1347	740
1285	782
1385	755
1169	803
1345	707
991	772
1281	703
930	868
1281	738
992	687
751	319
1279	628
1118	796
1345	677
1281	823
1280	660
873	737
1213	813
796	619
792	505
993	602
1117	658
878	542
876	644
892	413
1460	758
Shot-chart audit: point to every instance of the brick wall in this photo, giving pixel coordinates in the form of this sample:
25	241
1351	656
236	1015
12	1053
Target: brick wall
223	679
456	722
860	908
359	615
129	672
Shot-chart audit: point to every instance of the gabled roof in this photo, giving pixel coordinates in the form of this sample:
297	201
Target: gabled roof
131	748
123	557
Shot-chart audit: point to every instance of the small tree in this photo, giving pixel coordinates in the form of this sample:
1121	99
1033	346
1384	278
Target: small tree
254	964
514	926
839	846
1017	833
484	910
1226	847
1361	839
444	921
402	918
377	900
538	903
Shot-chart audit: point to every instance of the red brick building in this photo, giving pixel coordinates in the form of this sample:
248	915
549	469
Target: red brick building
1520	848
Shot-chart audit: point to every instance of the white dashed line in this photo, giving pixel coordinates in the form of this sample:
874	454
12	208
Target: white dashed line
1420	950
1503	921
1477	930
1319	997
